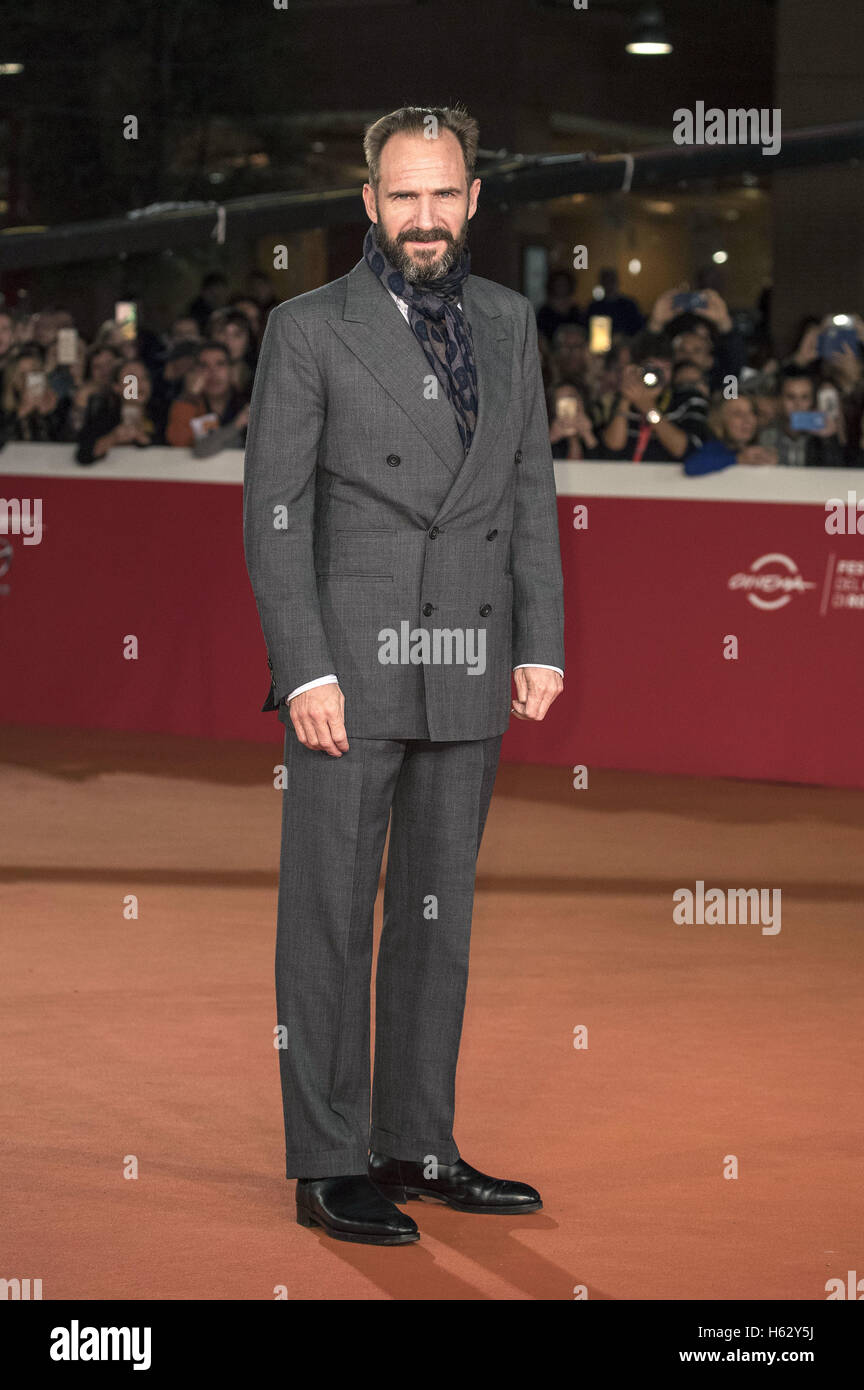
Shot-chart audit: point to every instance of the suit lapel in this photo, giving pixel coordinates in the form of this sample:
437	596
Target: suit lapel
374	329
492	337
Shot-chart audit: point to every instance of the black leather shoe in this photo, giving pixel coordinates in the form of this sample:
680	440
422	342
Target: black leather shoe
457	1184
351	1208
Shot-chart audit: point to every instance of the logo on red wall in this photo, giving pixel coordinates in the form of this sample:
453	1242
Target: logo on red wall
771	582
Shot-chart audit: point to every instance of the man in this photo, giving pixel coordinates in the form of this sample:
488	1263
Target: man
650	421
209	412
811	448
559	306
569	352
212	295
626	316
723	346
401	539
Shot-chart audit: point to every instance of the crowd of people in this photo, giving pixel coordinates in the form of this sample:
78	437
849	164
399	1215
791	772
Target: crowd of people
188	388
683	385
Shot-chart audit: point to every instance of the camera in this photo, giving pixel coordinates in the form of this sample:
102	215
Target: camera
653	377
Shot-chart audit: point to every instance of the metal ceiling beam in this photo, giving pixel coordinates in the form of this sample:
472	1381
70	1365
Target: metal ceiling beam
508	182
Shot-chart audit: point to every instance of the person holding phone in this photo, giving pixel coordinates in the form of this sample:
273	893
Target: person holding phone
709	315
844	371
210	405
571	430
118	416
802	437
31	410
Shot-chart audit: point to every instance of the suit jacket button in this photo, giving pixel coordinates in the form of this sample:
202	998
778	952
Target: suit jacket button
517	457
485	610
428	610
433	533
394	460
490	535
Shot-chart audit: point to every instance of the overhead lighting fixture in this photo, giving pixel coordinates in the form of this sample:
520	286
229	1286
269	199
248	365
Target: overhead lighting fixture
634	266
10	69
650	37
720	258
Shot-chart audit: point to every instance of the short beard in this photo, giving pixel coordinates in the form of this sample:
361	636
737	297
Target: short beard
410	270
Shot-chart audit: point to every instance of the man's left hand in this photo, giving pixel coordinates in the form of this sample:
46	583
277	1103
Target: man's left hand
536	688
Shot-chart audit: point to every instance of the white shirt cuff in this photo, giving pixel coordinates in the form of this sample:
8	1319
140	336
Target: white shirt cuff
541	666
310	685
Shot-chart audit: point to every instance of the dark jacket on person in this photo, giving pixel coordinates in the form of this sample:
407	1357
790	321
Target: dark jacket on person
686	408
37	427
803	450
104	413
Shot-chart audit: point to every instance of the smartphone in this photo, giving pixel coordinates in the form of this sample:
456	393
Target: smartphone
203	424
601	333
836	339
807	421
689	302
126	317
567	410
36	382
67	346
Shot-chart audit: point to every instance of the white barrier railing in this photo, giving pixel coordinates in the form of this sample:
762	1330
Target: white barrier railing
572	479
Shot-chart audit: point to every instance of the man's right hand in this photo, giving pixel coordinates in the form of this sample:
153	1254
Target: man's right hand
318	716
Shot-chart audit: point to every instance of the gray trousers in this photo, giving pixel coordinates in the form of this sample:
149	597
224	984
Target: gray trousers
335	813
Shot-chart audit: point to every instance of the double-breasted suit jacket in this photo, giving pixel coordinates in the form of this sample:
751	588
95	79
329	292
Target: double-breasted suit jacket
362	513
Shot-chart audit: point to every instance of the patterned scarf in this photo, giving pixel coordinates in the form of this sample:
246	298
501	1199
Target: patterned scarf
441	329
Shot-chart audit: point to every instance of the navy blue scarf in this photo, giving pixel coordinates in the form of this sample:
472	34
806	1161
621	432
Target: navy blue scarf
441	329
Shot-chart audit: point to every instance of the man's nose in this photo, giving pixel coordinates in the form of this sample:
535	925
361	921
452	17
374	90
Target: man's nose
425	214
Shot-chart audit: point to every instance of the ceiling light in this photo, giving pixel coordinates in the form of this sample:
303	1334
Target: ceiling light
650	37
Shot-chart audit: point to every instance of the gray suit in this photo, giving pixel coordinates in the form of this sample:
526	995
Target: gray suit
362	517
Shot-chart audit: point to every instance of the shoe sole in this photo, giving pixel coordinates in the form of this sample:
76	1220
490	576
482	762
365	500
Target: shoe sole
401	1195
306	1218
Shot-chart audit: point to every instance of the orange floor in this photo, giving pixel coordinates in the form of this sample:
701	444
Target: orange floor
153	1038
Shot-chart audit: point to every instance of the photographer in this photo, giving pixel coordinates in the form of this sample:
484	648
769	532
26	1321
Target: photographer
650	421
704	311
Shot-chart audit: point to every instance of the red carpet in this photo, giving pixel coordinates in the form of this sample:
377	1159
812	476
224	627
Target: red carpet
152	1038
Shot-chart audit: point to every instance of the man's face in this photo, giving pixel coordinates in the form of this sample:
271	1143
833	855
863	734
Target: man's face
690	378
217	373
183	329
571	349
6	334
662	368
422	206
695	347
796	395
